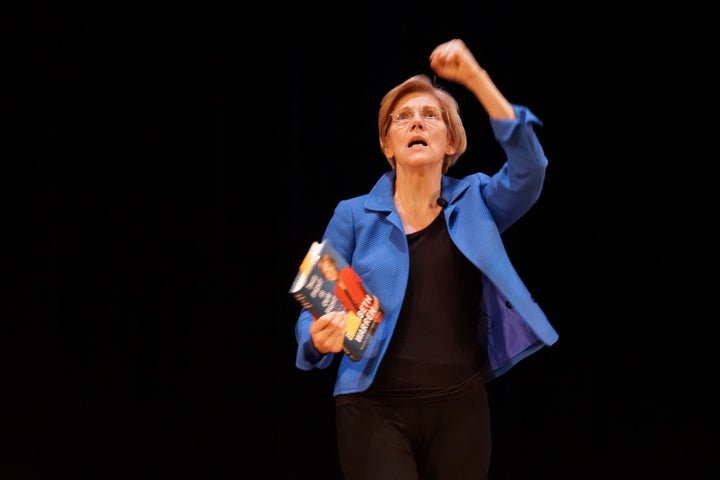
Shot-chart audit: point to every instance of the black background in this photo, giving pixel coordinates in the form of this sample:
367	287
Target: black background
170	166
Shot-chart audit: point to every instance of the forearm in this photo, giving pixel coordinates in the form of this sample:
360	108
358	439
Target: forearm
484	89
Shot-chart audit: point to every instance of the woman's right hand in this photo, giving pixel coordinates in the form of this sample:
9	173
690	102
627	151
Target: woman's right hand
453	61
328	332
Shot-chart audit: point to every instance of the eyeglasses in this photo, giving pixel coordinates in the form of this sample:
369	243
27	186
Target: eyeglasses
428	114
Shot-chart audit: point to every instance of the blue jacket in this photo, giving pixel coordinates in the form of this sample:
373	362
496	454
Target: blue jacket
367	231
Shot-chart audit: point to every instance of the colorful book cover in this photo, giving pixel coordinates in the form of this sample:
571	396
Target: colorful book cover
325	283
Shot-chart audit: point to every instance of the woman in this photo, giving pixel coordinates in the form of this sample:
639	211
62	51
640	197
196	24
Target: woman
456	313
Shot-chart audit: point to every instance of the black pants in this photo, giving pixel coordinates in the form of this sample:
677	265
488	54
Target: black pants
441	439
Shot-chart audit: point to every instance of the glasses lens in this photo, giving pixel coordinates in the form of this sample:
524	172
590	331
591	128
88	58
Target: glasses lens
431	113
404	115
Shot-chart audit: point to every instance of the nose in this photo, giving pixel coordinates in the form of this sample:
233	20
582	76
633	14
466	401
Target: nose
417	123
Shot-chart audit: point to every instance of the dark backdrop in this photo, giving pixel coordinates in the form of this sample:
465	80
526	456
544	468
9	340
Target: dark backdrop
174	164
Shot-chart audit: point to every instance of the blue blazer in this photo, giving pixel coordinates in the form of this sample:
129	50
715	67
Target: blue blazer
367	231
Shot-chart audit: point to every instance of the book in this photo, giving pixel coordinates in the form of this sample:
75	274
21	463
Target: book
325	282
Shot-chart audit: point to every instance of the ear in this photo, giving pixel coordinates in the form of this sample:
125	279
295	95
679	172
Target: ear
450	149
387	150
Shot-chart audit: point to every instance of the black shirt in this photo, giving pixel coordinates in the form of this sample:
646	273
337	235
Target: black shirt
434	347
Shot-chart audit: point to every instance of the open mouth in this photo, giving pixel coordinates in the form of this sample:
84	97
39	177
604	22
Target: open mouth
417	142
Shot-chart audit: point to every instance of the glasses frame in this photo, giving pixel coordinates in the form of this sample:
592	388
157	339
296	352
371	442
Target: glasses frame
415	112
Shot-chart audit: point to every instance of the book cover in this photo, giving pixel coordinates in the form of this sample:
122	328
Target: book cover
325	283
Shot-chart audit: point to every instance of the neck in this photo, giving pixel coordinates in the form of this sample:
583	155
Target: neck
416	201
417	193
416	210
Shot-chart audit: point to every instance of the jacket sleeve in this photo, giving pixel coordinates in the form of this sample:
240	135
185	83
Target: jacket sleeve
340	233
516	186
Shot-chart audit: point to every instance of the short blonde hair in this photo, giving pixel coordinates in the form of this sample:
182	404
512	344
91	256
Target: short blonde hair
448	104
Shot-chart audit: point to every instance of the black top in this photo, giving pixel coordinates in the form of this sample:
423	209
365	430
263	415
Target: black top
434	348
